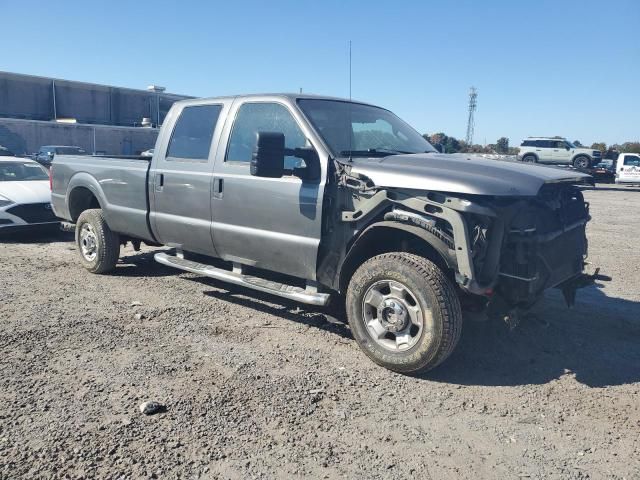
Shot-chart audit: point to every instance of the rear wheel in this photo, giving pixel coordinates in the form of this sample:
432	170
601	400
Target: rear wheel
403	312
582	162
530	159
99	247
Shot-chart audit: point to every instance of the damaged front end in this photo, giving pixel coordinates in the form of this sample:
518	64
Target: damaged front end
545	246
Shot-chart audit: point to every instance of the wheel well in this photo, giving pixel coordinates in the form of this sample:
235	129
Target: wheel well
385	239
81	199
530	154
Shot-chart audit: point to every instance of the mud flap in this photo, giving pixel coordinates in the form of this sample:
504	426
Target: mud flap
570	287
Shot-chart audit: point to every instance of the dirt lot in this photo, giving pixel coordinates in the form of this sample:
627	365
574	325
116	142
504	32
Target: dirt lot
255	387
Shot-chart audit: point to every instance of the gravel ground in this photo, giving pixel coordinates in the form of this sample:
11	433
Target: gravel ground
256	387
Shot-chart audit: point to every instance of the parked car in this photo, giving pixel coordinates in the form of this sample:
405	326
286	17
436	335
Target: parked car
5	152
46	153
25	197
628	169
557	150
604	172
347	203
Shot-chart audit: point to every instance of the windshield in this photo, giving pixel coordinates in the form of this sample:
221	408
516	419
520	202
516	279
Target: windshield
353	129
22	171
605	164
569	144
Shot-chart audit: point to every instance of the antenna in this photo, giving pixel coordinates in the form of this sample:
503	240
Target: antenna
349	69
473	103
350	117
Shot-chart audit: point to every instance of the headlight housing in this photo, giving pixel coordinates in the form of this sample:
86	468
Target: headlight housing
4	201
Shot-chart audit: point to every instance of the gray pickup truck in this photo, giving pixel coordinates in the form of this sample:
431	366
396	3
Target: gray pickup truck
314	198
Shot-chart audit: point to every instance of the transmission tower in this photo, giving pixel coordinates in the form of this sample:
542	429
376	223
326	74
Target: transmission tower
473	102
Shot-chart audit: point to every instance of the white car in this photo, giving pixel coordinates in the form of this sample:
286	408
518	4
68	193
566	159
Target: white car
25	195
557	150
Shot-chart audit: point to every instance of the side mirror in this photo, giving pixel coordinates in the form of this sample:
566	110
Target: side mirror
567	147
267	159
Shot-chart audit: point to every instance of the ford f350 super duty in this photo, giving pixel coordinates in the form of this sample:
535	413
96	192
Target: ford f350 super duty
317	199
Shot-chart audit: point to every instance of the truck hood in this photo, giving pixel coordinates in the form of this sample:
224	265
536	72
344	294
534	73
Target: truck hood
31	191
461	173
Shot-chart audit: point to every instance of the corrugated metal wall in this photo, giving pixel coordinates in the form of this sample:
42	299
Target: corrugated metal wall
110	115
40	98
27	136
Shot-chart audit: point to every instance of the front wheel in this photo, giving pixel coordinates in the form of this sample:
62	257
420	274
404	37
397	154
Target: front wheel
403	312
582	162
529	159
99	247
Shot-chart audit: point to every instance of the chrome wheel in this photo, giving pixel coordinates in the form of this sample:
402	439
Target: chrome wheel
392	316
582	162
88	242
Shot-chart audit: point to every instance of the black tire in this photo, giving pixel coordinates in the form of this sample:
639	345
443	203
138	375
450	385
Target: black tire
433	293
530	159
582	161
98	246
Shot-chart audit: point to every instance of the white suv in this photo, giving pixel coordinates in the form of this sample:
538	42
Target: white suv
557	150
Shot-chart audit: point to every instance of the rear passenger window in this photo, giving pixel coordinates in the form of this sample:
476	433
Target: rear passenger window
192	134
545	144
263	117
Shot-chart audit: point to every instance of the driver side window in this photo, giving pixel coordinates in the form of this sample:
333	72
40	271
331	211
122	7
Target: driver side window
263	117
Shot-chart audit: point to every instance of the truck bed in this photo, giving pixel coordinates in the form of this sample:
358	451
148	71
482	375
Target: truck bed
120	185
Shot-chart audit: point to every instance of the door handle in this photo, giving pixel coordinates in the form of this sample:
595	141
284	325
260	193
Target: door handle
159	182
218	186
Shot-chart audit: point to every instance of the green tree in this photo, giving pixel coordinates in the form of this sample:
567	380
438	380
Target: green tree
630	147
502	145
577	143
599	146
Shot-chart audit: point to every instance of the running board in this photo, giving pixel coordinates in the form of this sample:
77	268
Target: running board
236	277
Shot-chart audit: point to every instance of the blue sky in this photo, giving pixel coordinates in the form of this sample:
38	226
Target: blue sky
568	68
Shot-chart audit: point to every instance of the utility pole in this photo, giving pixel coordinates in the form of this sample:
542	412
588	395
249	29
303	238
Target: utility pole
473	103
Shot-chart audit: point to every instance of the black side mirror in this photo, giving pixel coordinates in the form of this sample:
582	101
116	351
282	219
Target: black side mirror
268	157
567	147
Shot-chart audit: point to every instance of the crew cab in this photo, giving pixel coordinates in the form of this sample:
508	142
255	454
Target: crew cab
557	150
321	199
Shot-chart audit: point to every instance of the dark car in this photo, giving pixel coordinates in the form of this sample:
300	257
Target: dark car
46	153
5	152
604	172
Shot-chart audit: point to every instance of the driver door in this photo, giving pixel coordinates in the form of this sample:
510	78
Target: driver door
271	223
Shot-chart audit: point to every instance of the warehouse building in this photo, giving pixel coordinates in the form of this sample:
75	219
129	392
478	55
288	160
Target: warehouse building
37	111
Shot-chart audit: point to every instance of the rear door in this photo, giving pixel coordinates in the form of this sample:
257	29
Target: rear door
181	178
559	151
541	152
272	223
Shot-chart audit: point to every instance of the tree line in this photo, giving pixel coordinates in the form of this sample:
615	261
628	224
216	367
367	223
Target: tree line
501	146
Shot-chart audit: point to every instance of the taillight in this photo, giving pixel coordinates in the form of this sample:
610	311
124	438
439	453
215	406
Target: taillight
51	178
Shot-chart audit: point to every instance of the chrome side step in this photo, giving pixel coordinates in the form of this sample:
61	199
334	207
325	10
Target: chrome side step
309	295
